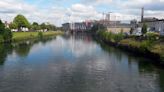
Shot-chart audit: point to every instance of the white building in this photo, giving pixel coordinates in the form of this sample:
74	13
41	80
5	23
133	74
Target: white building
24	29
14	30
154	25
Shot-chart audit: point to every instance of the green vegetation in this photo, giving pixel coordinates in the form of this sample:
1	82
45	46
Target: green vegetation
149	43
144	29
20	21
18	36
97	28
110	36
35	26
40	35
5	33
151	36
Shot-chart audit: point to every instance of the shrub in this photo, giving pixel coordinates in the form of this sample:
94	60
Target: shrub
152	36
144	29
40	34
110	36
7	35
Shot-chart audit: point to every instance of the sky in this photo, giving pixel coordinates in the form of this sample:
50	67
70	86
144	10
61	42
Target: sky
61	11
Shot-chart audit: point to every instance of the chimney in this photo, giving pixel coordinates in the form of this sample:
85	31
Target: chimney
142	14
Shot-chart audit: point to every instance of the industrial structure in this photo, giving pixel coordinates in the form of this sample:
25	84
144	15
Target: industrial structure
153	24
115	26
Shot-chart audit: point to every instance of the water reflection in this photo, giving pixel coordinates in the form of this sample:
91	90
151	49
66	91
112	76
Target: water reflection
75	64
5	49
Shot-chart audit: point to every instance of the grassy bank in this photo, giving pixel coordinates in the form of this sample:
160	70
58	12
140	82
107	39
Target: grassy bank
144	46
18	36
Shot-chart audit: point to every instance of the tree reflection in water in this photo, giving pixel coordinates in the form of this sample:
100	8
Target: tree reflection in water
5	49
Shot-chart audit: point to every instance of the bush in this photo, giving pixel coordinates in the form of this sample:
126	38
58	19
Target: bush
7	35
110	36
152	36
144	29
40	34
145	45
1	38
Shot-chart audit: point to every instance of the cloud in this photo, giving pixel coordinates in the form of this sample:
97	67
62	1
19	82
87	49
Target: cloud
60	11
97	2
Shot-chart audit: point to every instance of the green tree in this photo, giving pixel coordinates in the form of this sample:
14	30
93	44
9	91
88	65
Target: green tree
131	31
13	26
51	27
43	26
2	27
144	29
7	35
21	21
35	26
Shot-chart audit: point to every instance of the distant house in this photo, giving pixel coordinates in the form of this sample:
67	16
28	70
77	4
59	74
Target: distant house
24	29
43	30
14	30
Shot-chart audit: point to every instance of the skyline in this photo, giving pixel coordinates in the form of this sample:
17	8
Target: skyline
58	12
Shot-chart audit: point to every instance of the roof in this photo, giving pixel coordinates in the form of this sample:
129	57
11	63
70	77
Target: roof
152	19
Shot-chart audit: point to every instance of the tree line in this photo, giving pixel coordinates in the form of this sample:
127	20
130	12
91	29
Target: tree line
21	21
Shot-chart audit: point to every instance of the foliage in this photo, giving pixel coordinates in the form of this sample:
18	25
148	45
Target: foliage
51	27
13	26
40	34
151	36
21	21
98	27
159	49
18	36
35	26
7	35
145	45
131	31
144	29
43	26
2	27
110	36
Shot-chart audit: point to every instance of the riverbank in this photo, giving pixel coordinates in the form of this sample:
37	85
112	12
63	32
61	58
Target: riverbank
19	36
146	48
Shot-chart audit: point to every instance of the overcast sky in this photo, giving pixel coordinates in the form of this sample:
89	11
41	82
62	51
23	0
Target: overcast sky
61	11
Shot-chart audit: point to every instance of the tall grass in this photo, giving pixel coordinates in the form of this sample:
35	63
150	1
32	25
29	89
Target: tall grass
18	36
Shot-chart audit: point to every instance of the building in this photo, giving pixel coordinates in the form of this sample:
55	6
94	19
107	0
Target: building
77	26
66	26
116	26
153	25
24	29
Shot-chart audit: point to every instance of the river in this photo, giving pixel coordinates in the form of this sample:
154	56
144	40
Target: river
75	63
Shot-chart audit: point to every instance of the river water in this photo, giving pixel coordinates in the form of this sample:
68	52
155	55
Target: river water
75	63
